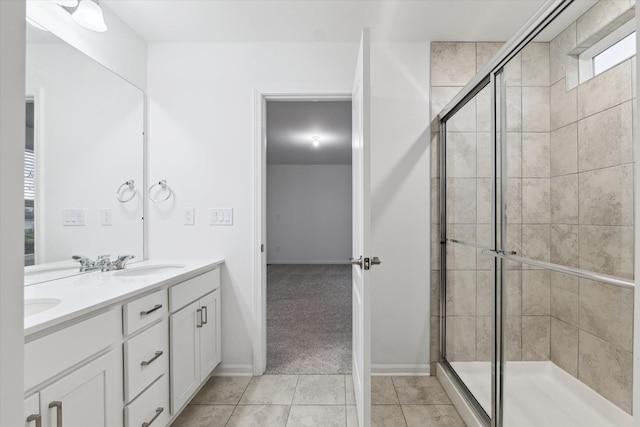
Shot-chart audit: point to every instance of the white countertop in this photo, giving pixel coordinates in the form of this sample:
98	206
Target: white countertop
88	292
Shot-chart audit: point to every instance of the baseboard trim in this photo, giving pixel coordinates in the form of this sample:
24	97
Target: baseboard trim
401	370
309	262
226	370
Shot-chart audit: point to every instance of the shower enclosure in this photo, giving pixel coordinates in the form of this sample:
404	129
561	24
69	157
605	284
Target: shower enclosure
536	220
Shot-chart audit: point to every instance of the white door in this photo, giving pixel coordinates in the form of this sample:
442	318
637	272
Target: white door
361	237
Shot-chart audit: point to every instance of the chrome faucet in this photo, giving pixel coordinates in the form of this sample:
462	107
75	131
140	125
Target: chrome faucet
87	264
121	261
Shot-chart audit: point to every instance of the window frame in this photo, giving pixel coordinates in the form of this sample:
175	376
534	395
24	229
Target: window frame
585	59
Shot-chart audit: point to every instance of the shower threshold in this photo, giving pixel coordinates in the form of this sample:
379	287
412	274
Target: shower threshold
542	394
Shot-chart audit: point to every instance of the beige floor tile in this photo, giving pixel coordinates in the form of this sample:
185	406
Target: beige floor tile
432	416
259	416
387	416
352	416
204	416
317	416
222	391
420	391
383	392
320	390
270	390
351	396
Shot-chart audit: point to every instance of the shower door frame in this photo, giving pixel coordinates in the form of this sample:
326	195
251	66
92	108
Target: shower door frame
492	75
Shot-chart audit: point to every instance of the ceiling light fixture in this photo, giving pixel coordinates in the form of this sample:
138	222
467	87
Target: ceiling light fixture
316	140
89	15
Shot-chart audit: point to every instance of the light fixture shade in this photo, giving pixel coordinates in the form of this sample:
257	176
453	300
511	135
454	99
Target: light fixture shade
66	3
89	15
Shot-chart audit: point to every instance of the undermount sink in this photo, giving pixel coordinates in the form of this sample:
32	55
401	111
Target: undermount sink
148	269
38	305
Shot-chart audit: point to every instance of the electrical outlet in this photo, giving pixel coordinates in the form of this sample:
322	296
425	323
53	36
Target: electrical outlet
189	216
106	217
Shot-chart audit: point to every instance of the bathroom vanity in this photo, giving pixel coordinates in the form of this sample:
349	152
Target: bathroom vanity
122	348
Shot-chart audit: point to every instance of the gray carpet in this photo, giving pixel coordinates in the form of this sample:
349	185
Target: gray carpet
308	319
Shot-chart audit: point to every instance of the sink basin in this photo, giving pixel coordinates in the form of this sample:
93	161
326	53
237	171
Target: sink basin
38	305
148	269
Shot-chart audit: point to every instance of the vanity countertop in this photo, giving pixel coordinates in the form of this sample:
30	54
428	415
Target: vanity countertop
86	293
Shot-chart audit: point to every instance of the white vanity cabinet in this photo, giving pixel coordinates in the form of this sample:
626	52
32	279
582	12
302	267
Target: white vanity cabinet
195	335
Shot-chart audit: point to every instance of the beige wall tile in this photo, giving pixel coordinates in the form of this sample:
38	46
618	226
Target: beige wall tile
564	346
513	284
460	257
461	200
514	154
564	245
606	196
440	97
484	296
461	154
452	63
435	292
513	338
536	199
563	105
535	64
484	144
536	293
435	247
607	369
536	337
435	339
606	311
513	71
461	338
435	154
536	242
596	18
564	199
484	338
514	109
483	110
564	43
484	188
615	126
485	51
607	249
535	109
484	238
564	150
606	90
514	239
464	120
461	293
564	298
435	200
513	199
536	159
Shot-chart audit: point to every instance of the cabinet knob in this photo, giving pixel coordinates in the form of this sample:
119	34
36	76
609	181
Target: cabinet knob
58	405
158	412
205	315
198	318
35	417
148	362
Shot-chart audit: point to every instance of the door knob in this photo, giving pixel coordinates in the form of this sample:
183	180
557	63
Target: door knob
357	262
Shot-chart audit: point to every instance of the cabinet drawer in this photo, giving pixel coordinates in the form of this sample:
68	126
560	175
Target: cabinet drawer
154	401
52	354
144	311
146	357
192	289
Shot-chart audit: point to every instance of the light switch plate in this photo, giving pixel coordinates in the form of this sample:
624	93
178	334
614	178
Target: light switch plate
106	217
189	216
73	217
221	216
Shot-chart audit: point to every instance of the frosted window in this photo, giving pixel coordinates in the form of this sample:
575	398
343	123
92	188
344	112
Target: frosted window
624	49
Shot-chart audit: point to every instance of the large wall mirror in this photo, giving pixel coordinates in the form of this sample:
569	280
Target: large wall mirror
84	160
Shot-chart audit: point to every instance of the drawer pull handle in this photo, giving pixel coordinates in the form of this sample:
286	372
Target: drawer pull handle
205	315
150	361
57	404
158	412
35	417
155	307
198	318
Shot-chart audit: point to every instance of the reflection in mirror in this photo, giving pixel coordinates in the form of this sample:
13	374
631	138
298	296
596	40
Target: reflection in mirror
83	177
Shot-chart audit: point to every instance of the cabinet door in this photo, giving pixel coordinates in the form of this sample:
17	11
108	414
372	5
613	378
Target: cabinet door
32	410
185	357
210	354
89	396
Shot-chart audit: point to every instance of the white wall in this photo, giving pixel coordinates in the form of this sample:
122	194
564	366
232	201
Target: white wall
201	124
119	48
12	119
91	131
400	206
308	214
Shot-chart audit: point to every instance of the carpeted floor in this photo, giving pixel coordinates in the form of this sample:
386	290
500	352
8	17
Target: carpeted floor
308	319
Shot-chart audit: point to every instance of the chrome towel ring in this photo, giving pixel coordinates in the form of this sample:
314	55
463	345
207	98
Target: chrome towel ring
122	190
163	188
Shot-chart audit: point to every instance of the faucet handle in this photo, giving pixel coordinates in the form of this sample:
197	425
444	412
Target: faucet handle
103	258
122	260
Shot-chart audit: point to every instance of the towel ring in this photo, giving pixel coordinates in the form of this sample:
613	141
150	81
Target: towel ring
164	187
130	184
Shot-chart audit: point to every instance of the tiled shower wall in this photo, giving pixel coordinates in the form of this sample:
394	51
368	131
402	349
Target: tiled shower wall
570	202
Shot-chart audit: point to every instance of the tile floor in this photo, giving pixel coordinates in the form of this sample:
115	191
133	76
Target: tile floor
317	400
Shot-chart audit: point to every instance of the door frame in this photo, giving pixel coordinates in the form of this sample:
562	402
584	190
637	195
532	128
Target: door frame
259	260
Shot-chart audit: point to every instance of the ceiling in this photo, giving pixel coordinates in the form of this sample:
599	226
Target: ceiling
291	126
270	21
